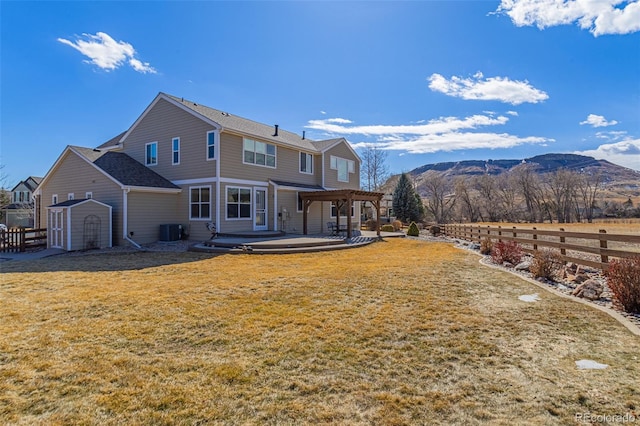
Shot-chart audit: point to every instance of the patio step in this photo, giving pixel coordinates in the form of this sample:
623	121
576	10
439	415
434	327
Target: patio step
304	245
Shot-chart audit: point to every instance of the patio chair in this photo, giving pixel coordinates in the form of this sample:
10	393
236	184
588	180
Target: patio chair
212	228
332	227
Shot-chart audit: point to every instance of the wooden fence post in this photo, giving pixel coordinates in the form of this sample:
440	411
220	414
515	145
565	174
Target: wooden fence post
514	233
499	233
603	245
563	251
535	237
23	236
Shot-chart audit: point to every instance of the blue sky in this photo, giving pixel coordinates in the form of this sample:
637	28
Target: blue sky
427	81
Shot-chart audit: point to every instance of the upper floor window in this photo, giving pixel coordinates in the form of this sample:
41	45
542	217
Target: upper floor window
175	151
343	166
211	145
259	153
151	154
88	195
54	199
200	202
306	163
71	196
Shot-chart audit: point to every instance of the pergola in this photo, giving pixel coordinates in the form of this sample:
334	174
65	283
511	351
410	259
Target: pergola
340	197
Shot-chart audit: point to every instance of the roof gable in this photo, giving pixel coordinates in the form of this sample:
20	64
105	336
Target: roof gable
130	172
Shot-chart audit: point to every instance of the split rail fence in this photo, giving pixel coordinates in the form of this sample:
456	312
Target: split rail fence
18	240
597	245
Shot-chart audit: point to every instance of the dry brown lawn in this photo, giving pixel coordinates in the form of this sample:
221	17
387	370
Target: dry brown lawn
398	332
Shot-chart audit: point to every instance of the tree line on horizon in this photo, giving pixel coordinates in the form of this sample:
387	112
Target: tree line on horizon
519	195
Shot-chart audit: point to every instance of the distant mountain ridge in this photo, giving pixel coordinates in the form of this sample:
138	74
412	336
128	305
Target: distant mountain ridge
546	163
620	182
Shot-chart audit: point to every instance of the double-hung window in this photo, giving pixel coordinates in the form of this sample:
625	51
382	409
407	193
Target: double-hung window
200	202
343	210
306	163
175	151
343	166
258	153
238	203
211	145
151	154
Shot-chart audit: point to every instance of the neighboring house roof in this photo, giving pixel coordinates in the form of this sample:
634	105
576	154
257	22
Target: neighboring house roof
31	183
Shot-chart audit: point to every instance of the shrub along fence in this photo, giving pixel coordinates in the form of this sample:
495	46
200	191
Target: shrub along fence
569	243
14	240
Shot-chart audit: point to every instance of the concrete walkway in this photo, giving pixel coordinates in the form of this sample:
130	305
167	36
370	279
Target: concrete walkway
30	255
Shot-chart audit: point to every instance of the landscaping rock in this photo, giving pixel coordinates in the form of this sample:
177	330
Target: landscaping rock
474	246
523	266
580	278
590	289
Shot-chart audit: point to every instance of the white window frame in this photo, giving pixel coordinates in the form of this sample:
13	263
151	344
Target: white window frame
147	159
333	207
226	203
267	144
54	199
175	151
200	203
299	200
209	142
335	162
308	162
88	195
71	196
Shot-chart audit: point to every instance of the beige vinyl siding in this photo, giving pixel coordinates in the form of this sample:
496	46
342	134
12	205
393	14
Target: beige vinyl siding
294	225
197	229
74	174
331	176
287	163
78	214
149	210
162	124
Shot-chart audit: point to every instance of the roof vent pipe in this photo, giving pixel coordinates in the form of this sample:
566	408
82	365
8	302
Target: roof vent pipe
303	132
276	131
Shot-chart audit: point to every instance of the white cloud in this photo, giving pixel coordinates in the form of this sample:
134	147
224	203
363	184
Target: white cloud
489	89
108	54
625	153
598	121
442	134
599	17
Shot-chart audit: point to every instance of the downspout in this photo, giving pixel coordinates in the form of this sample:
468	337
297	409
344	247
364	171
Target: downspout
275	207
125	216
218	180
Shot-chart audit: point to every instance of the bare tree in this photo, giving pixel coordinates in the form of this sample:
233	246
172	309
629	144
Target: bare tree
467	200
374	169
562	185
489	207
5	194
528	183
588	186
440	200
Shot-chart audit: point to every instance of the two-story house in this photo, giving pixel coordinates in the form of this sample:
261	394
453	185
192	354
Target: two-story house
188	164
19	211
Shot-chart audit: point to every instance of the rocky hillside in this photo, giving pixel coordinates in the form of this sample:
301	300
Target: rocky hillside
620	182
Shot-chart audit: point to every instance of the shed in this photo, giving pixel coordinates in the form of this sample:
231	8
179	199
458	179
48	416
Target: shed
79	225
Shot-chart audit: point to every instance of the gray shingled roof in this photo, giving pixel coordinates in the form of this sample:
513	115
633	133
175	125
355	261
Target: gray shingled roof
130	172
298	185
112	142
246	126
